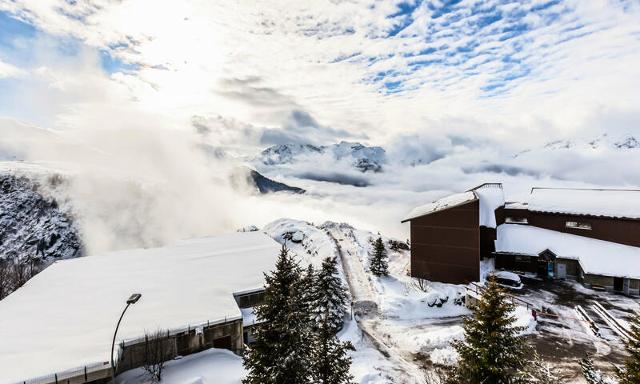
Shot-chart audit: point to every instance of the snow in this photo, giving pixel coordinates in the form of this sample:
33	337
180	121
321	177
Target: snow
213	366
597	202
249	317
491	197
595	256
441	204
507	275
69	310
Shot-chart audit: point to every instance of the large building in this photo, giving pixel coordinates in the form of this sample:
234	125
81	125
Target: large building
198	294
590	235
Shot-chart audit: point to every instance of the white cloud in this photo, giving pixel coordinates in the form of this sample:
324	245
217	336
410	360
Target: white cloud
572	60
8	70
249	73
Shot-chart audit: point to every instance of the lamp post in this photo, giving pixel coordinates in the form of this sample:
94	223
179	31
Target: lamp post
131	300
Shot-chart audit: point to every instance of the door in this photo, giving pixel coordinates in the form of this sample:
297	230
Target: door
562	271
222	342
618	283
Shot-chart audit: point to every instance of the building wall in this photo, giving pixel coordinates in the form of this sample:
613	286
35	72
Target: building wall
445	246
227	335
623	231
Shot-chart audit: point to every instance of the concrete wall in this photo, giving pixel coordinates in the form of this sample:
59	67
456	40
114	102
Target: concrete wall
227	335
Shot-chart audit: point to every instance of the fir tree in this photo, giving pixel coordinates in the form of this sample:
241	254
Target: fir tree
630	374
591	374
282	350
309	290
330	361
492	351
329	295
378	264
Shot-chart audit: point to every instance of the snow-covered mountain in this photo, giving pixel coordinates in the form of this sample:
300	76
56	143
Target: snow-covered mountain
601	143
34	230
362	157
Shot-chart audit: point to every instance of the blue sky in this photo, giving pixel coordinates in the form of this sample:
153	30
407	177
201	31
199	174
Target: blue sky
354	66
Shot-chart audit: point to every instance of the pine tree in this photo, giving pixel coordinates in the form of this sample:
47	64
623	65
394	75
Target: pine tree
379	263
630	374
492	351
329	295
331	362
282	350
309	290
591	374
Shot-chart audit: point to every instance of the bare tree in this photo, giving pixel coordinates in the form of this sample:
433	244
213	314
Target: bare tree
437	375
157	352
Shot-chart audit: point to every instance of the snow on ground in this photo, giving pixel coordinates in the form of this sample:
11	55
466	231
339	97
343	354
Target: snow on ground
213	366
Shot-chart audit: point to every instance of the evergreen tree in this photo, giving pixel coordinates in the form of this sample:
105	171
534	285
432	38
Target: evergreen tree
591	373
309	290
492	351
282	350
630	374
331	362
379	264
329	295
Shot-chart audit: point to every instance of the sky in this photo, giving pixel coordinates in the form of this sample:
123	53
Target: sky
134	98
319	71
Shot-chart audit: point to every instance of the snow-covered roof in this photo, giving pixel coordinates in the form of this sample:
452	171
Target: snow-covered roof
596	202
65	316
515	205
441	204
491	197
595	256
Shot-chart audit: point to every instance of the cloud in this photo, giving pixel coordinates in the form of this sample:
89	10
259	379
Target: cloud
443	86
8	70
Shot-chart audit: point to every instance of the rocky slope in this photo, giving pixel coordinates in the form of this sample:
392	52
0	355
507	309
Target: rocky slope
34	231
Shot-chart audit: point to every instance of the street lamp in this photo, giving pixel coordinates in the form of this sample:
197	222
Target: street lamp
131	300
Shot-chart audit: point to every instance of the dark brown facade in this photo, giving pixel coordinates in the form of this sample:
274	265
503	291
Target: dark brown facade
445	245
617	230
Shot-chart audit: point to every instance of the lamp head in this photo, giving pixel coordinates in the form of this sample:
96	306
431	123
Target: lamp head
134	298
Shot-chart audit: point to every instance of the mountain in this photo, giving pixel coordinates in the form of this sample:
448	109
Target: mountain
267	185
34	230
244	176
605	141
361	157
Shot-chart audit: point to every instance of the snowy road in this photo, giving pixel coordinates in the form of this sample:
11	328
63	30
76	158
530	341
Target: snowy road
365	303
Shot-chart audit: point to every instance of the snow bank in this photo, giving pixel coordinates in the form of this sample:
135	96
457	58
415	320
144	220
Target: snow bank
213	366
595	256
598	202
310	243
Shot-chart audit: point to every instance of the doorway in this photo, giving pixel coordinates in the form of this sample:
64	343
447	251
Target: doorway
618	284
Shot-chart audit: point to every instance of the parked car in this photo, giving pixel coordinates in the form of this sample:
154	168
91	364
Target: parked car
508	279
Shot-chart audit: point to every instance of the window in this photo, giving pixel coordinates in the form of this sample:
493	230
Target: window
578	225
521	259
516	220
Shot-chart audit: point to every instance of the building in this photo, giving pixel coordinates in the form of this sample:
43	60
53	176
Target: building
590	235
449	236
198	294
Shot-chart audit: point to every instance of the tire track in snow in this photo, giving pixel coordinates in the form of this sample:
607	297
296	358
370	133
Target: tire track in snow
365	305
